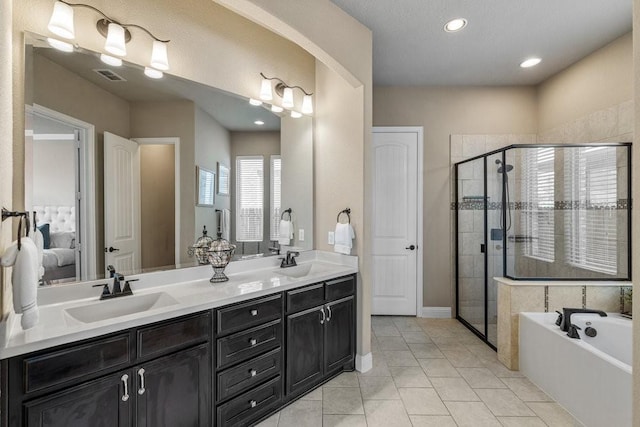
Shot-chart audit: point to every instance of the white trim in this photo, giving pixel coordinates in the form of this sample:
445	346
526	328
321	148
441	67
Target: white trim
87	229
175	141
436	312
420	204
364	363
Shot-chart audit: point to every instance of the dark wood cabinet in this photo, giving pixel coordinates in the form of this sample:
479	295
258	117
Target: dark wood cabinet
340	337
174	390
106	402
305	359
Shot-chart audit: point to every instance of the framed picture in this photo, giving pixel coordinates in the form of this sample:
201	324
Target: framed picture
206	182
223	180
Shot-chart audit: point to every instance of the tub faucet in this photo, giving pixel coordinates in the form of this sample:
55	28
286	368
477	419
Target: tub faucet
565	323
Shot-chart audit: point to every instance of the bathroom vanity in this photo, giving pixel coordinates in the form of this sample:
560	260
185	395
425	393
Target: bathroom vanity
224	354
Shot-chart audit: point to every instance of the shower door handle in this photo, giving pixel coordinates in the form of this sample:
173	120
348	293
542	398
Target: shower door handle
482	248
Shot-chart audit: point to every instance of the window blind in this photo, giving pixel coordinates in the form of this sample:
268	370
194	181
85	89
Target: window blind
591	223
275	191
538	181
249	198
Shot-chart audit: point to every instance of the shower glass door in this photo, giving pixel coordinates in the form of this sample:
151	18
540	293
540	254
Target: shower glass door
471	263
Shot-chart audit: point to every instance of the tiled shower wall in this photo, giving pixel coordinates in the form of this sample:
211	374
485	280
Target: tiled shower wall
614	124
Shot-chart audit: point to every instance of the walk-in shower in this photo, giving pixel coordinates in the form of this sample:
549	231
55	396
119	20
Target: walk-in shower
539	212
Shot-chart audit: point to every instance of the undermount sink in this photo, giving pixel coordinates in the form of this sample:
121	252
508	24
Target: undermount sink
120	306
300	270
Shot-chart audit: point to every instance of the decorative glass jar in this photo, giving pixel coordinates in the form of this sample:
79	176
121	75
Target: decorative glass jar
220	253
201	247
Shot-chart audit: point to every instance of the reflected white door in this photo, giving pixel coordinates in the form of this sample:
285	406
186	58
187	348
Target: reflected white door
121	204
395	222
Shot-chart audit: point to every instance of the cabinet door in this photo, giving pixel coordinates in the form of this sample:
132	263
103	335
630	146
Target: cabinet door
101	403
340	334
175	390
304	349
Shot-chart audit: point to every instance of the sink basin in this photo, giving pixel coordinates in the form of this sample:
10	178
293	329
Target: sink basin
301	270
121	306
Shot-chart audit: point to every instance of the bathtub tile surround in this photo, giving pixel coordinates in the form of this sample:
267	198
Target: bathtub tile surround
488	395
517	296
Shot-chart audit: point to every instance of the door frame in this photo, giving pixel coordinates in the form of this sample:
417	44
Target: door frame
86	174
419	130
175	141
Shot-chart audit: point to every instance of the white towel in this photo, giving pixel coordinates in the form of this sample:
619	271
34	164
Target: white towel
38	239
225	224
344	236
286	232
24	279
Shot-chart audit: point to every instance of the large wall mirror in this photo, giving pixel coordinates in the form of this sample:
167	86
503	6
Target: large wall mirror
111	161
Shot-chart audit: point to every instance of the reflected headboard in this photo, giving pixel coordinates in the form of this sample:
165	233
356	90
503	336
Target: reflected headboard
60	218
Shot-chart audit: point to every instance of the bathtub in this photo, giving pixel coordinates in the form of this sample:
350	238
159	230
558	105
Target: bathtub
589	377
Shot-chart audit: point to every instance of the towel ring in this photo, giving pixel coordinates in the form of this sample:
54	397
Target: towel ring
345	211
284	212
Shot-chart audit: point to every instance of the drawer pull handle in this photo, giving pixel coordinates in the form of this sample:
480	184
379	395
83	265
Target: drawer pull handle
254	312
324	316
141	390
329	313
253	341
125	383
253	372
253	403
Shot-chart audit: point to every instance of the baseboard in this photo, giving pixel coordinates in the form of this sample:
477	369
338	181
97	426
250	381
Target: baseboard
364	363
437	312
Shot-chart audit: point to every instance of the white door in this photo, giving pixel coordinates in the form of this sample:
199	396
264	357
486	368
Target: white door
121	204
396	155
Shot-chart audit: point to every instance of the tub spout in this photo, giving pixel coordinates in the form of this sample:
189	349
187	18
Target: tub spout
565	324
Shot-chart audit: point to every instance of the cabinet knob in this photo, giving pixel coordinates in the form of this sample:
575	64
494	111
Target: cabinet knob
254	312
125	383
253	372
253	341
253	403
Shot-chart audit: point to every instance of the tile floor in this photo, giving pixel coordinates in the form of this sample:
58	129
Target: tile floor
426	372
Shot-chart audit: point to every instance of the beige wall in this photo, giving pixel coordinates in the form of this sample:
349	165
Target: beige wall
212	146
263	144
601	80
173	119
6	143
635	214
157	184
443	111
296	149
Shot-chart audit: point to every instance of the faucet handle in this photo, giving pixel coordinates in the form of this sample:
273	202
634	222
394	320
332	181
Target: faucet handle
573	331
559	319
127	287
105	290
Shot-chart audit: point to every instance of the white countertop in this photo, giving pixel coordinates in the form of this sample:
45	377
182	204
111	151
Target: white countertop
511	282
190	287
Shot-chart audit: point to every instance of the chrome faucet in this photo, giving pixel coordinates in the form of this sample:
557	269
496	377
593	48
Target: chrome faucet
117	290
564	320
289	260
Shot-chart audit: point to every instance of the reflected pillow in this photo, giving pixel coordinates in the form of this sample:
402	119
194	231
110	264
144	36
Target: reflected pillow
63	239
46	238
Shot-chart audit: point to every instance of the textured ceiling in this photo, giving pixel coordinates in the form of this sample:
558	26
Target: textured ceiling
410	46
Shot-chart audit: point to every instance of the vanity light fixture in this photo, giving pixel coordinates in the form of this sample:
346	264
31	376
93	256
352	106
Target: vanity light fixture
60	45
531	62
455	25
255	102
117	35
110	60
286	93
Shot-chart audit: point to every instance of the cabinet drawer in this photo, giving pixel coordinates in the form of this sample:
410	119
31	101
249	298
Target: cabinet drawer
250	406
246	344
76	363
340	288
242	377
241	316
300	299
170	336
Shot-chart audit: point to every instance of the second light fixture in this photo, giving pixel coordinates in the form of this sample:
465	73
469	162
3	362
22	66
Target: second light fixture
286	93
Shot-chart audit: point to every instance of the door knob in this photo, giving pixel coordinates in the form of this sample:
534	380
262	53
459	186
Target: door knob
111	249
411	247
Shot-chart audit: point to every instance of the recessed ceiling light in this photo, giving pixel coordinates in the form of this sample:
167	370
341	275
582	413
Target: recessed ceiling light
455	25
152	73
277	109
258	122
295	114
255	102
531	62
60	45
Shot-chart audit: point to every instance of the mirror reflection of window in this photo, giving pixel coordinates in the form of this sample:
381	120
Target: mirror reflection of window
249	198
276	197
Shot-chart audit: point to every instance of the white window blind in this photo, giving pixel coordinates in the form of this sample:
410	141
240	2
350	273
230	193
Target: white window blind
538	181
276	191
590	225
249	198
